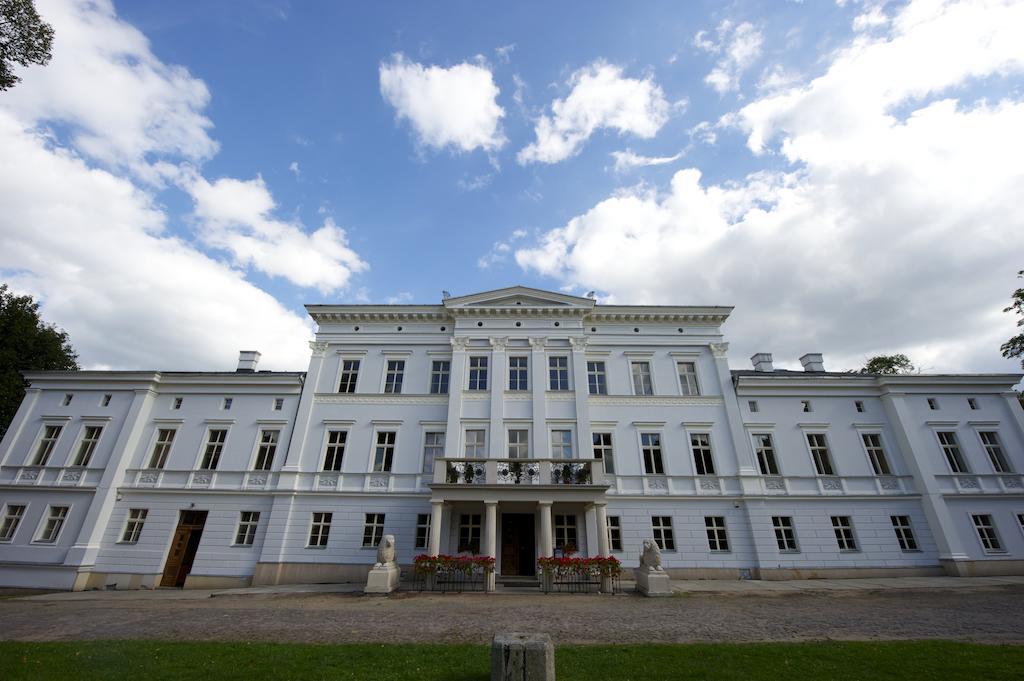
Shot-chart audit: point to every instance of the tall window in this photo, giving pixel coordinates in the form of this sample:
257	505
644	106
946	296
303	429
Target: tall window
603	450
267	449
469	533
248	521
718	540
614	533
688	378
986	529
433	449
785	535
558	373
88	445
518	373
349	375
394	376
904	532
519	444
478	373
476	444
951	448
384	452
994	449
565	532
561	444
642	384
320	530
164	440
335	450
661	525
373	529
597	380
440	374
842	525
54	522
214	446
766	454
46	444
650	443
819	452
422	531
876	454
12	518
703	462
133	526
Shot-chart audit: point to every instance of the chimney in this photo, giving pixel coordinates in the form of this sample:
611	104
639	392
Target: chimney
762	361
247	361
812	362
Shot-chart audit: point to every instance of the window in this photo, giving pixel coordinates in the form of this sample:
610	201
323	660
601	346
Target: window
422	530
373	529
518	373
214	446
805	406
753	407
133	526
933	403
819	452
565	533
994	449
842	525
766	454
662	528
433	449
703	462
478	373
518	444
267	449
972	403
88	445
54	522
394	376
1020	521
614	533
558	373
873	445
46	444
859	406
650	444
384	452
162	447
469	533
349	375
67	399
951	448
986	529
177	402
13	514
561	444
718	540
228	401
642	384
320	530
105	402
785	535
440	374
335	451
603	450
476	444
248	521
278	403
904	533
597	380
688	378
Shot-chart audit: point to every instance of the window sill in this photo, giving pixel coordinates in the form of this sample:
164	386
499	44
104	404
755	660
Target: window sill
318	548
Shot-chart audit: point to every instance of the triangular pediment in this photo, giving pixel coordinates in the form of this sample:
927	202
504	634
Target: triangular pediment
518	296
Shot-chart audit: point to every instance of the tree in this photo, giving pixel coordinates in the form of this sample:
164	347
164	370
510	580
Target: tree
26	343
1015	346
24	39
888	364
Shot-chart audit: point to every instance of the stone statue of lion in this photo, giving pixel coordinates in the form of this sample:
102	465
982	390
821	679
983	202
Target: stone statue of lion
386	551
651	556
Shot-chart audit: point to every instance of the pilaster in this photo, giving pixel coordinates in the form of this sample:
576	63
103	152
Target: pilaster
581	391
538	386
499	373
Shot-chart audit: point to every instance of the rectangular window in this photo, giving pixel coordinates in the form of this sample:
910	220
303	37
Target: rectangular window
951	448
478	373
13	514
614	533
88	445
433	449
394	376
469	533
214	447
642	384
105	402
785	535
422	531
904	532
597	380
650	443
876	454
688	378
994	449
662	528
245	534
133	526
228	401
718	540
753	407
986	529
518	444
349	375
561	444
558	373
933	403
819	452
320	530
278	403
267	449
766	454
67	399
842	525
603	450
384	452
54	523
476	444
518	373
565	533
972	403
46	445
164	440
805	406
335	451
703	462
440	374
177	403
373	529
859	406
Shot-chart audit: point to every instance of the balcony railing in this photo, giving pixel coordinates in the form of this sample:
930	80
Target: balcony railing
518	472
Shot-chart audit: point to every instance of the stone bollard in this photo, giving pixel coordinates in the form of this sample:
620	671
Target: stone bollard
522	657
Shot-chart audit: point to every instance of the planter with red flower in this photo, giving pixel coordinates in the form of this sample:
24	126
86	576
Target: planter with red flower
452	573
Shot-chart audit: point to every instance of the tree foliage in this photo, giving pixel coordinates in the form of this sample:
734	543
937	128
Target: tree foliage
24	39
26	343
1015	346
888	364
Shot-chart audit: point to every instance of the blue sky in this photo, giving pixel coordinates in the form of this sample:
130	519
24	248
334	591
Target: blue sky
184	176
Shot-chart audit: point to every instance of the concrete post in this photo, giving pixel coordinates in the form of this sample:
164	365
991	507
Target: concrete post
491	537
436	520
546	533
522	657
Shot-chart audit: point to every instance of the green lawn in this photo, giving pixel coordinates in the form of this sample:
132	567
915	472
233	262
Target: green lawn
141	661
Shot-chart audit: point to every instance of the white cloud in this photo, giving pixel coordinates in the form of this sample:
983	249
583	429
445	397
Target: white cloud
738	47
505	52
399	298
500	250
294	168
892	232
627	160
601	97
455	106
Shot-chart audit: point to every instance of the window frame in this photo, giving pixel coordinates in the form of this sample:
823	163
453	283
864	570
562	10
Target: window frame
260	444
80	443
684	388
633	377
1001	463
133	525
607	451
517	428
614	527
773	450
991	526
559	376
320	529
904	531
480	445
11	529
205	444
44	523
421	538
394	375
522	373
660	452
707	453
663	533
155	442
348	377
471	525
567	441
440	377
842	539
427	432
958	458
831	472
883	470
481	380
249	526
327	444
386	464
717	533
39	458
786	543
373	528
565	526
597	380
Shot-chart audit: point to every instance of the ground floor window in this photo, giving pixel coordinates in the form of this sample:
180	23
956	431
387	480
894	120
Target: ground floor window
247	523
54	523
469	533
373	530
842	525
133	527
904	532
422	530
12	518
320	530
662	527
986	529
785	534
565	533
718	539
614	533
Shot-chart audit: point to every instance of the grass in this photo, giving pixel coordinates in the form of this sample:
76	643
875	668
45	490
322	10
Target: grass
144	660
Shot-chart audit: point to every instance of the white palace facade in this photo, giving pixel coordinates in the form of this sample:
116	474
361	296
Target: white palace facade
517	424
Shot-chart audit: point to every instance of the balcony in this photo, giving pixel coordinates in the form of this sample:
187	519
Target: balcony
519	472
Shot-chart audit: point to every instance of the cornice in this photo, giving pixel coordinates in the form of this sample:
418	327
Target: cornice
377	398
655	401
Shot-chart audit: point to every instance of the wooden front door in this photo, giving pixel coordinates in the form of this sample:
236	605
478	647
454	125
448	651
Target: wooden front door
183	548
517	544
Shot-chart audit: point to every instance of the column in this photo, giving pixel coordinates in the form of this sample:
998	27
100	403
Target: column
499	373
436	520
538	386
491	538
546	533
603	549
456	383
581	390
